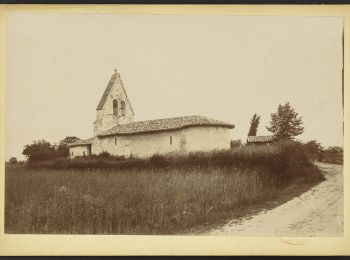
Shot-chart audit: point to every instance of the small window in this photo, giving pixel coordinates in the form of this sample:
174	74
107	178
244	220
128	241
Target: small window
171	140
115	140
122	107
115	107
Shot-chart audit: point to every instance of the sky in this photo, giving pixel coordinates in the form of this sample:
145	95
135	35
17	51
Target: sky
221	66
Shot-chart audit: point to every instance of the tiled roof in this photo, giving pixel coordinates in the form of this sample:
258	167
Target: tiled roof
81	142
108	89
163	125
260	139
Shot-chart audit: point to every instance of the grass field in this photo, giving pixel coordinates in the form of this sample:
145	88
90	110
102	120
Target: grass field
166	197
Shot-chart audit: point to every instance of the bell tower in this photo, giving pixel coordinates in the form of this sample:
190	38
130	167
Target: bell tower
114	107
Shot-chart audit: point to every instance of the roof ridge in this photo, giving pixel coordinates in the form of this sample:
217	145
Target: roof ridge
163	124
255	136
164	118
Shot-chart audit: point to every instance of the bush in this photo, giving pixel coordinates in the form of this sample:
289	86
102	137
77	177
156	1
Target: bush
13	160
158	160
39	151
105	155
316	152
333	154
235	143
286	160
42	150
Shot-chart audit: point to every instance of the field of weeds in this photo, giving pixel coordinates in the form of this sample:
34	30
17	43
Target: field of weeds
160	195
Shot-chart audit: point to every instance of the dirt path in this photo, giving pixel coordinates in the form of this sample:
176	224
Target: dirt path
317	212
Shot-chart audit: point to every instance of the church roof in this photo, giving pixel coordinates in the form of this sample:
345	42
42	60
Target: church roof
81	142
260	139
164	124
108	89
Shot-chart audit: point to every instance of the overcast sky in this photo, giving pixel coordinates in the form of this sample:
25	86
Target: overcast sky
224	67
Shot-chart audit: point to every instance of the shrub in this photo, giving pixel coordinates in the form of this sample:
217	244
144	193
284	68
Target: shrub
314	150
158	160
39	151
333	154
235	143
13	160
286	160
104	155
42	150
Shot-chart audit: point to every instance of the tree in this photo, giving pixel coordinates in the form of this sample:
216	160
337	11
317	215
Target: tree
254	123
13	160
39	151
285	123
62	148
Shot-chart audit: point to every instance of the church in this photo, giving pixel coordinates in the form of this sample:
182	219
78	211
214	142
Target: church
116	132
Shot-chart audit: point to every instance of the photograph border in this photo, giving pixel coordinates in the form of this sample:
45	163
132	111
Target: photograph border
11	244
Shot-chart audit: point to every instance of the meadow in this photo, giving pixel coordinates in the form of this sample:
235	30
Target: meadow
161	195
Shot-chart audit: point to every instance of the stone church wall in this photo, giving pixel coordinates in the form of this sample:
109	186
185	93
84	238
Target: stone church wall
190	139
142	145
82	150
207	138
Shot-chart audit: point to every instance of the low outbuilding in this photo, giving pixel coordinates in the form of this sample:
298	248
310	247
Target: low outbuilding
258	140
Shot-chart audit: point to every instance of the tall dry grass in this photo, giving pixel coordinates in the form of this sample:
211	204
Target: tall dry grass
170	195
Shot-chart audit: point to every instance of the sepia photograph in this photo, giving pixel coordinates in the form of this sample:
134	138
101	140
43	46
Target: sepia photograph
174	124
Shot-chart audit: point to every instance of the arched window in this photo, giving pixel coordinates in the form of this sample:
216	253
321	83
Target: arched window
122	107
115	107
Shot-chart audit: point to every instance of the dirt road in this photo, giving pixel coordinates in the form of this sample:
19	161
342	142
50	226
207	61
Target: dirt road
317	212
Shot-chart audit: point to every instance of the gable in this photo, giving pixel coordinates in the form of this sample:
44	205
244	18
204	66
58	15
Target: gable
114	81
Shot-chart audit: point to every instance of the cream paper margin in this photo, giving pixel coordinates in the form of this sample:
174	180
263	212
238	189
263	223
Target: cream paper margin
177	245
